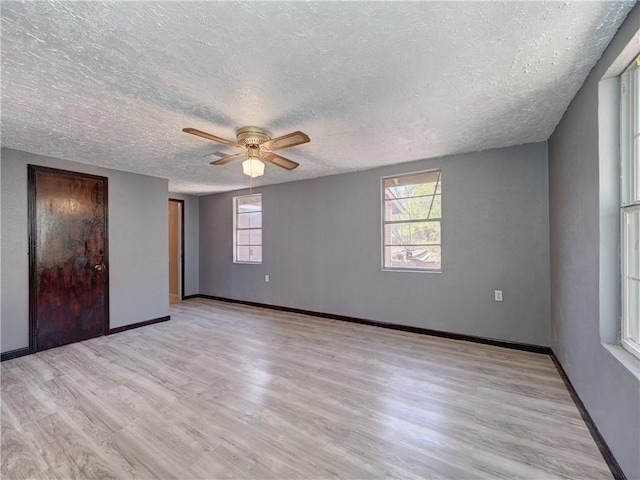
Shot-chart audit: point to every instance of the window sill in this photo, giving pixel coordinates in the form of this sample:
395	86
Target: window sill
410	270
625	358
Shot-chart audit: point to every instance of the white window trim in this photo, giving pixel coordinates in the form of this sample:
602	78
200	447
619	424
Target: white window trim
382	224
235	230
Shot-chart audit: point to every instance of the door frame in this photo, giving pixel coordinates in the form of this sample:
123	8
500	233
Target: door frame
181	252
33	170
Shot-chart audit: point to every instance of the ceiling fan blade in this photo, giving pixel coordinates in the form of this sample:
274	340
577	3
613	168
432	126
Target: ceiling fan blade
276	159
217	154
286	141
208	136
229	158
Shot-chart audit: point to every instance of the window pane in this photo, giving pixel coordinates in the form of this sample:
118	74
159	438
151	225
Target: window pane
255	220
423	183
412	179
637	94
249	237
243	254
243	237
419	257
408	208
632	253
249	220
248	253
418	233
255	254
410	191
249	203
436	208
256	236
243	220
633	312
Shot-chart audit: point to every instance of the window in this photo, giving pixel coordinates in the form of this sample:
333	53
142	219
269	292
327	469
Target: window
630	208
412	210
247	228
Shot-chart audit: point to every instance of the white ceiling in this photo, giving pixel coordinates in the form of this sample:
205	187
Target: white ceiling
372	84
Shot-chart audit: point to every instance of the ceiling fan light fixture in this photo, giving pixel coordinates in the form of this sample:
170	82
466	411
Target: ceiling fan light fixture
253	167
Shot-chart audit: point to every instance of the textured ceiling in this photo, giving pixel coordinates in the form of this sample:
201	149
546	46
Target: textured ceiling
113	83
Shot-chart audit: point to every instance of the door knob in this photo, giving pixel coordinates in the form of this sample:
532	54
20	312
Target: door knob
99	267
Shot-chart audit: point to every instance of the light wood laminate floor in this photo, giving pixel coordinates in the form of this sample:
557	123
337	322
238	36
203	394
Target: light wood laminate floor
229	391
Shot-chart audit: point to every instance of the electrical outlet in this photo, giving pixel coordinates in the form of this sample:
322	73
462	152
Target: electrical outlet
498	295
266	278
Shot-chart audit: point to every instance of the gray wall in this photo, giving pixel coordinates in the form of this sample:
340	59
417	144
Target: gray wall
322	248
584	295
138	237
191	242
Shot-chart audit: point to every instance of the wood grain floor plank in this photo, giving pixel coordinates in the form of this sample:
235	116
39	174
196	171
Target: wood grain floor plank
68	452
19	455
232	391
140	457
85	409
18	397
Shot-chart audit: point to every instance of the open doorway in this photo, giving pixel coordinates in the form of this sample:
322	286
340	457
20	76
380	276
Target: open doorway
176	250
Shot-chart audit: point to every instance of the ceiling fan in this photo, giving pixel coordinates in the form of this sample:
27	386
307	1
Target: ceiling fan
258	147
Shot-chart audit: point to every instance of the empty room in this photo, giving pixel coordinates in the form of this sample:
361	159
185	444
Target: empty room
312	240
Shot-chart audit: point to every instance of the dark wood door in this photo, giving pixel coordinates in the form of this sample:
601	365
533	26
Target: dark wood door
68	286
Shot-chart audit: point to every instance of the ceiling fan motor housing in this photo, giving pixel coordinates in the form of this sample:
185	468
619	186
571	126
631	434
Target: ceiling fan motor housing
248	136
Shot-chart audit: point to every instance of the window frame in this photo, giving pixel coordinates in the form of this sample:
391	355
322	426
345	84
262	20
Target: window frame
629	190
236	200
384	222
